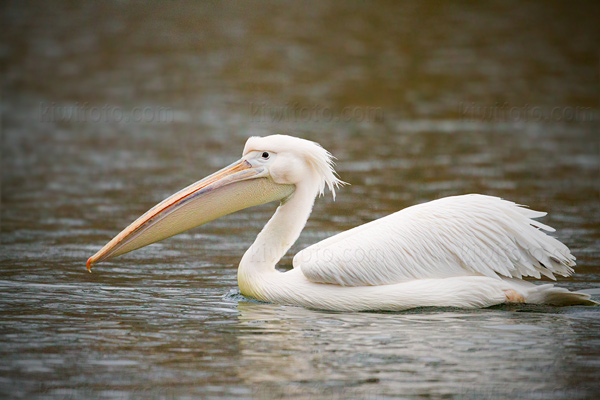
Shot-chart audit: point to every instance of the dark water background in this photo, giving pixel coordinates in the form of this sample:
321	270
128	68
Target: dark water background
109	107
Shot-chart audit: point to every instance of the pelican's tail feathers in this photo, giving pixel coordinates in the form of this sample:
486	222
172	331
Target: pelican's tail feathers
557	296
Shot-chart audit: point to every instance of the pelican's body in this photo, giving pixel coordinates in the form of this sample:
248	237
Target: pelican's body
463	251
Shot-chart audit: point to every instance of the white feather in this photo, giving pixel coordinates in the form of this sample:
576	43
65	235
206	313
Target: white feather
453	236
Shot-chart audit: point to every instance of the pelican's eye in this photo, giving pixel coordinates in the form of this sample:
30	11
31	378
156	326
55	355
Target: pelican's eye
265	155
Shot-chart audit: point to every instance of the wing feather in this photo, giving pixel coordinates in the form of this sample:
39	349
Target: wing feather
453	236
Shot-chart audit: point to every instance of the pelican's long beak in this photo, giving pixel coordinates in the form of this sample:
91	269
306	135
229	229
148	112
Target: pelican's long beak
238	186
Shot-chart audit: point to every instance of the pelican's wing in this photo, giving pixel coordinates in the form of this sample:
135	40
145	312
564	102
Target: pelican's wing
453	236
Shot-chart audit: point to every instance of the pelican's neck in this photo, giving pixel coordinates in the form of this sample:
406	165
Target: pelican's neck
278	235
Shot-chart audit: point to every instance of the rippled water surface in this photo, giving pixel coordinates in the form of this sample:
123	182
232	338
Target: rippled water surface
109	107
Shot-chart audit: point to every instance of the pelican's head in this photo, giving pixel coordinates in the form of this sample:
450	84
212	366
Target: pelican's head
270	169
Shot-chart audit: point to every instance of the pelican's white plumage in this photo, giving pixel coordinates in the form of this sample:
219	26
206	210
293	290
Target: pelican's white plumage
461	251
454	236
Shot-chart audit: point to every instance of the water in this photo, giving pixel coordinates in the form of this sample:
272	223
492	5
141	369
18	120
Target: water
108	108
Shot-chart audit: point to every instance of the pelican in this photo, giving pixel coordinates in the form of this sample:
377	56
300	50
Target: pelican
466	251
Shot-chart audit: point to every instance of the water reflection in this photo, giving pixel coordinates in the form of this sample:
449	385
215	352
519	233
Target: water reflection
288	351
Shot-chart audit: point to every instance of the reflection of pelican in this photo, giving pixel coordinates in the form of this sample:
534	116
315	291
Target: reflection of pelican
285	352
463	251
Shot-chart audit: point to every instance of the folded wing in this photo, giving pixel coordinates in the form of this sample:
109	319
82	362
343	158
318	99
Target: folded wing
453	236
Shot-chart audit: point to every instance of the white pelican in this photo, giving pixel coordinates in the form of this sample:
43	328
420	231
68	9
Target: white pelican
463	251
